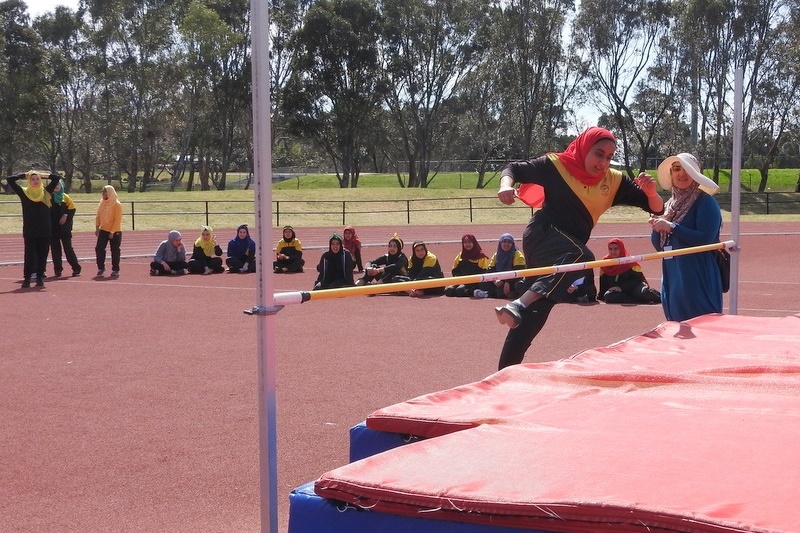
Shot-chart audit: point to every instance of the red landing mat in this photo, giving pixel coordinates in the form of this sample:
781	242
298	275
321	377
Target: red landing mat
692	427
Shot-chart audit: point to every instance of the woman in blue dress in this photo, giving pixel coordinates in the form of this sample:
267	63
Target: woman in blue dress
691	284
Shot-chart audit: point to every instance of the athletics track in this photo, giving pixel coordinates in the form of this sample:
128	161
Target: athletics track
130	405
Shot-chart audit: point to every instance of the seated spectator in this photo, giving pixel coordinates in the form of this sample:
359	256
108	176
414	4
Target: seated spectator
582	290
335	266
470	261
388	268
241	252
624	284
206	254
506	258
424	265
353	245
170	256
288	253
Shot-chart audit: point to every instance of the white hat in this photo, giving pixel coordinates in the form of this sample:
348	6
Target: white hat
691	166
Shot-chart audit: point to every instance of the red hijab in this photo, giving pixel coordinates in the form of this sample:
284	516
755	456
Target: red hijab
475	253
616	270
353	243
574	158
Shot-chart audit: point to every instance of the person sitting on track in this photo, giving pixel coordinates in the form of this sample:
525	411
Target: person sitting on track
353	245
170	256
288	253
206	254
424	265
624	283
507	257
335	266
241	252
583	290
387	268
470	261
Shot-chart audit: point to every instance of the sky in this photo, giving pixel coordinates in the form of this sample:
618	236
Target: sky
40	7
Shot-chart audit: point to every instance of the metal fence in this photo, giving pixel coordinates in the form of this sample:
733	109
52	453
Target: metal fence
153	214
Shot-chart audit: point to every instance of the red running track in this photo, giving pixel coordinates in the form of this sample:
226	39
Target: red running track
130	404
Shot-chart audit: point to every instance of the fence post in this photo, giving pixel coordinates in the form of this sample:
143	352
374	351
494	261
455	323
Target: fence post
133	216
278	213
207	224
408	212
470	209
768	203
344	207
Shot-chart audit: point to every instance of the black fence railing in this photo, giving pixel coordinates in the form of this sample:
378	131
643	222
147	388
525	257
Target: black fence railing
149	214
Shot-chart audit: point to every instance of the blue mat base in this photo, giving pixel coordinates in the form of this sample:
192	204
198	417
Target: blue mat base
365	442
308	513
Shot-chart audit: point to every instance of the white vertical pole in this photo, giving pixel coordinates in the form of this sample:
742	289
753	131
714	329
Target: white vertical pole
736	182
262	169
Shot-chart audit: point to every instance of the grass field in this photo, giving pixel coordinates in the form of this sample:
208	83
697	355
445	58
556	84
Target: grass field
317	200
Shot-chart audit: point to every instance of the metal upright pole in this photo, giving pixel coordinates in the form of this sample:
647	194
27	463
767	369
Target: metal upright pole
736	182
263	310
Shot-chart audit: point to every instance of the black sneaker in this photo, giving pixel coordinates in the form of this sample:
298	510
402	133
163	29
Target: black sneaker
101	271
58	273
26	284
509	314
39	282
76	273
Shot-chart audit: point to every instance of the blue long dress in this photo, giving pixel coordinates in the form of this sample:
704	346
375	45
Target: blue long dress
691	285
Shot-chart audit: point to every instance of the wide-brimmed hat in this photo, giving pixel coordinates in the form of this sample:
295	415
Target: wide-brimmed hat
692	167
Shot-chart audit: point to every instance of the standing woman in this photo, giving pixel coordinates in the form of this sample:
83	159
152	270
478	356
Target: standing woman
36	224
691	285
63	214
108	229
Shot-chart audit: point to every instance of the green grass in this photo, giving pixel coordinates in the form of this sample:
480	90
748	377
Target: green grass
780	180
317	200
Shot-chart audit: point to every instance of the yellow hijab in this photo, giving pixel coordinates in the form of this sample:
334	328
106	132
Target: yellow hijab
207	245
111	192
38	193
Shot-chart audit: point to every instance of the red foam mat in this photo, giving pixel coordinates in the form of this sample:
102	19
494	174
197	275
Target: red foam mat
696	428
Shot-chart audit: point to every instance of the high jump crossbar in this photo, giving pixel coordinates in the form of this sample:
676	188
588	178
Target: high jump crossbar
298	297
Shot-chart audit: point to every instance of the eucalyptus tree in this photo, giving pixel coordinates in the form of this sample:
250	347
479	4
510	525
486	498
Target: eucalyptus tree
427	47
539	72
70	127
708	54
286	19
777	100
477	118
24	93
206	40
229	125
134	41
336	85
630	52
